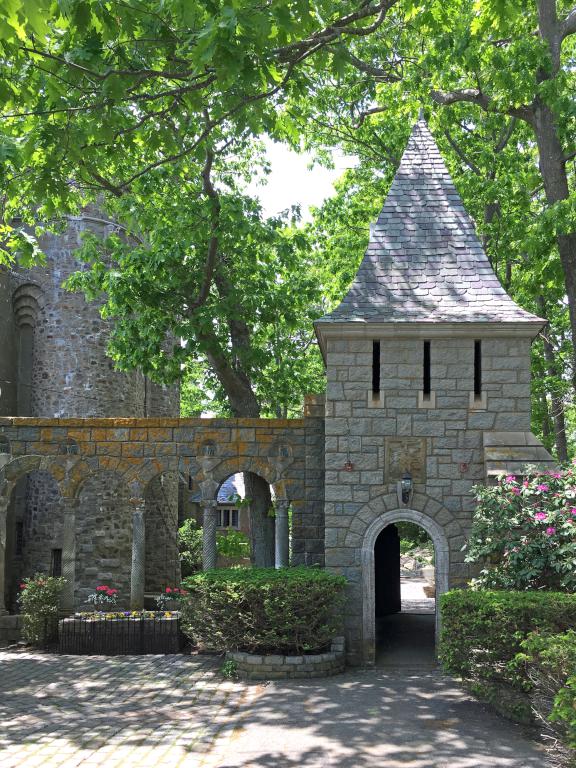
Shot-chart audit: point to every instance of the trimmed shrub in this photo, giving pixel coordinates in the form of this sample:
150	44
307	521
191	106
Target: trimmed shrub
549	663
39	601
263	610
482	631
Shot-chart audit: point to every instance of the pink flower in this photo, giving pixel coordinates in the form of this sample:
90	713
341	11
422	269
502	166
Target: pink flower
22	586
542	487
168	590
541	516
550	530
557	475
102	588
510	478
573	511
525	483
516	491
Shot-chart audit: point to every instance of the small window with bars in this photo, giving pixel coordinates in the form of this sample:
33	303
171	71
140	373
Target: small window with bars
228	518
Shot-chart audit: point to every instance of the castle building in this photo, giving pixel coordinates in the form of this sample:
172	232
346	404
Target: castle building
428	394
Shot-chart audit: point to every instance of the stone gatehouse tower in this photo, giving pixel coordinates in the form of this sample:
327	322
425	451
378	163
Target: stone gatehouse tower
428	394
428	366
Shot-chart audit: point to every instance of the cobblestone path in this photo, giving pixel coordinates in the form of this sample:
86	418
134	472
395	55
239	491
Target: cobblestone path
93	711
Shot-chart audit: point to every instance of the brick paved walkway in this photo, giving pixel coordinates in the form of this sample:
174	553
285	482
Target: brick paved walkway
93	711
176	712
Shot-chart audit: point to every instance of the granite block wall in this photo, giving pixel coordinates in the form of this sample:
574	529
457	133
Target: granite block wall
372	440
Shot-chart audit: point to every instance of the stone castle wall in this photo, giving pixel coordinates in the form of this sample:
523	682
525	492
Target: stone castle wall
118	468
439	442
53	363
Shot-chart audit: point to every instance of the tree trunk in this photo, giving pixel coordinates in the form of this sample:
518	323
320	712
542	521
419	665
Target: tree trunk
553	170
555	397
261	521
244	404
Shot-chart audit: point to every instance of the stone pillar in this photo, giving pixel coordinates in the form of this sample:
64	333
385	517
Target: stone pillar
68	555
209	550
4	501
282	538
138	555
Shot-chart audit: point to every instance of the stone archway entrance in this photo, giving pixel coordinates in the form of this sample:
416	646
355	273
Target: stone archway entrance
441	551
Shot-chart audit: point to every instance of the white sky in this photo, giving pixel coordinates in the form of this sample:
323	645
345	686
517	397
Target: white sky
291	182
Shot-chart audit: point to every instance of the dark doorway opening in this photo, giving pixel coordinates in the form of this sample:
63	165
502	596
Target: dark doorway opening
404	598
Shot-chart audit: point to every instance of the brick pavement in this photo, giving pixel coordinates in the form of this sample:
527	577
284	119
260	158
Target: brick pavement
66	711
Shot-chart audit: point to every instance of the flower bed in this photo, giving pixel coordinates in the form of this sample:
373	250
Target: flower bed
121	633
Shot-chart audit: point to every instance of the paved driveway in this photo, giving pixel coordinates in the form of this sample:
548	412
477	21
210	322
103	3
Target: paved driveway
174	711
110	711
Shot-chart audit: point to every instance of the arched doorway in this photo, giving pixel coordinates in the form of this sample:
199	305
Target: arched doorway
381	562
405	595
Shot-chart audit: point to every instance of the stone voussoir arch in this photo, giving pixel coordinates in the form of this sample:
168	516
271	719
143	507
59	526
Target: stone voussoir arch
232	466
19	466
86	467
139	476
365	529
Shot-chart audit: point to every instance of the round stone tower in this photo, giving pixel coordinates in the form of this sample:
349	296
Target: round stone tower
54	364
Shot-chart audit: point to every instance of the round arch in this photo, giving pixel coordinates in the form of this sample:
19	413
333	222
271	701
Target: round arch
233	466
442	566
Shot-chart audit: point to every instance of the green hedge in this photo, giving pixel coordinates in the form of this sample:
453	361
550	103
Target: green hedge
263	610
549	663
482	630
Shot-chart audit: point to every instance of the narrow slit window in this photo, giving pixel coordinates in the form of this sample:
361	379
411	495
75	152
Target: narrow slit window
477	369
375	367
56	563
426	371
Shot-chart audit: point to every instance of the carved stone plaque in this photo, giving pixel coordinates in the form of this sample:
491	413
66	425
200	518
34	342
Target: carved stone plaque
405	454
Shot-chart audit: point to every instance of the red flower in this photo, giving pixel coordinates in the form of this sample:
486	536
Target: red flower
102	588
169	590
23	586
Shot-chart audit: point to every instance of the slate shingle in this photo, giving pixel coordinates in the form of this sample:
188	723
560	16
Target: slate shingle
424	261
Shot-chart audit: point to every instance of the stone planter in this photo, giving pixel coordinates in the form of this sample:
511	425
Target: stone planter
254	667
115	636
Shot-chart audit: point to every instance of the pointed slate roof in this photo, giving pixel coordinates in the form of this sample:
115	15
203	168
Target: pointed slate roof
424	262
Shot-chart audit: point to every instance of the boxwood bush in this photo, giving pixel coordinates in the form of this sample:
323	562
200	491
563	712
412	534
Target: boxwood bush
263	610
482	630
549	662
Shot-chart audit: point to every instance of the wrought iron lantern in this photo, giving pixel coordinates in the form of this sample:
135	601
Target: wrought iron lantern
406	486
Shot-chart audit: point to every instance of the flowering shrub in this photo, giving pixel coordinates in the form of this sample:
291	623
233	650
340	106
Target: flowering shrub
104	615
168	596
39	600
104	598
524	530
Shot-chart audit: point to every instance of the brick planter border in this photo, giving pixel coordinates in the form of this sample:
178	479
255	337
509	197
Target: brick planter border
254	667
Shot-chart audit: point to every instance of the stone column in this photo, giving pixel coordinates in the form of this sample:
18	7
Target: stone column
282	534
209	550
4	501
68	555
138	555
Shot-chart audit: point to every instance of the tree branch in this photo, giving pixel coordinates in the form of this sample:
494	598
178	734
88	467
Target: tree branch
476	96
568	25
212	194
461	154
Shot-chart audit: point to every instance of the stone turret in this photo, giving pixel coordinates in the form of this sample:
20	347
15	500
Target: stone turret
428	366
53	363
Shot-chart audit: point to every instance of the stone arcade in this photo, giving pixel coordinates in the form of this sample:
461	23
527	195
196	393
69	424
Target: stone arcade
428	393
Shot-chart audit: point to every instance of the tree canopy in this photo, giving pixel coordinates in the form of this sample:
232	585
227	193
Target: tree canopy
152	110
